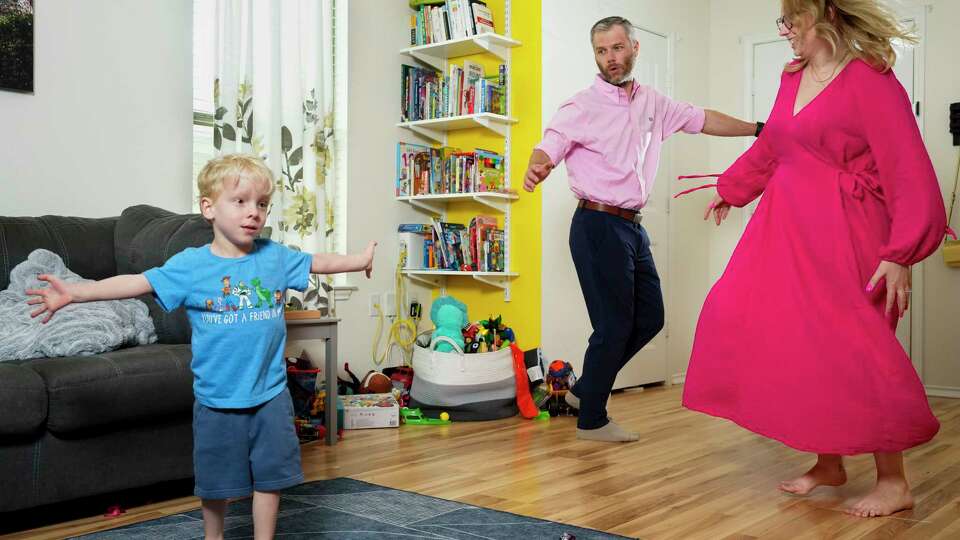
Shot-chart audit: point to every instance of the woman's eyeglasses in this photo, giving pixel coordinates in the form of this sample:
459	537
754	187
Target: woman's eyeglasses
784	25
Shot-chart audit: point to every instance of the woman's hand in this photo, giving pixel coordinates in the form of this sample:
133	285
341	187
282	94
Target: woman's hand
719	207
898	284
53	297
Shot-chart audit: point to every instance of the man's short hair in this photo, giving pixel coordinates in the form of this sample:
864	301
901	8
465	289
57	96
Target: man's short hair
607	23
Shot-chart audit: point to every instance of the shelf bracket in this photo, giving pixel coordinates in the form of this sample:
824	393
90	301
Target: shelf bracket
496	205
430	208
500	283
433	134
438	281
432	61
496	127
498	50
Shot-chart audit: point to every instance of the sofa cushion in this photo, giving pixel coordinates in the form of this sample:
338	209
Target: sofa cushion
84	244
23	399
139	383
146	237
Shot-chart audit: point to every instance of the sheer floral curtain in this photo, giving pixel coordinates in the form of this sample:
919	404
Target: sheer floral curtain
273	97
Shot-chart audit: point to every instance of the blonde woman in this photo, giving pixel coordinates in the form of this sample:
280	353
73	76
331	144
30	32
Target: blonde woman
796	340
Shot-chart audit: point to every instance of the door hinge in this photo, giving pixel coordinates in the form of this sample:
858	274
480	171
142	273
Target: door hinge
918	108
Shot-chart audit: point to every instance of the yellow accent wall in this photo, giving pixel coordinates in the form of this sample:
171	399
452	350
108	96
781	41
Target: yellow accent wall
522	312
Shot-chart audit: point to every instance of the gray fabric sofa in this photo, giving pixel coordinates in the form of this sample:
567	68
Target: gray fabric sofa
86	425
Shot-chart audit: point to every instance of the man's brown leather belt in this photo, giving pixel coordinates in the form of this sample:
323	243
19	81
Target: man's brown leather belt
627	214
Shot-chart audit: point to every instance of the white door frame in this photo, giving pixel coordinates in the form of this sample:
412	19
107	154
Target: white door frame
918	14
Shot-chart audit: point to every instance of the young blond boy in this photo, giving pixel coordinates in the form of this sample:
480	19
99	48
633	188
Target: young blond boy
244	439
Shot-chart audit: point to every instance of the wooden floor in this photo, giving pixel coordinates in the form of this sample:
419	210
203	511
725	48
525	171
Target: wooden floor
690	476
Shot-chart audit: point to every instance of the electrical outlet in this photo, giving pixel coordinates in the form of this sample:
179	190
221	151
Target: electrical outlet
374	301
390	304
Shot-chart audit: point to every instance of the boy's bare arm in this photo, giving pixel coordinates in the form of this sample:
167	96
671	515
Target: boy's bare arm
331	263
60	293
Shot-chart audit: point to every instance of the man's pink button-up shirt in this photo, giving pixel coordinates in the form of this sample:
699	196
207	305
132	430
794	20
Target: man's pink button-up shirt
612	142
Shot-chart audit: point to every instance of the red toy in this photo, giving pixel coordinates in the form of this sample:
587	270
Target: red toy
528	409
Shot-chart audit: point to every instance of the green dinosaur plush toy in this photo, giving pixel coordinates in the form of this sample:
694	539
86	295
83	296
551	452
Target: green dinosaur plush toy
449	316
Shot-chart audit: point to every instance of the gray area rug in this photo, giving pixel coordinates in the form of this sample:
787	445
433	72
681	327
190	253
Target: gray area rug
348	509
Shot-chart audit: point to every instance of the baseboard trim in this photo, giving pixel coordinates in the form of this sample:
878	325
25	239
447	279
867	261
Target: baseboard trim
943	391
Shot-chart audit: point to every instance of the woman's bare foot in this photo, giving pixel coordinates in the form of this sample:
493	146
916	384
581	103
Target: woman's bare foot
824	473
888	497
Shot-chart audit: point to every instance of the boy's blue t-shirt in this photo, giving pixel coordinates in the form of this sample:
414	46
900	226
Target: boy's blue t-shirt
235	307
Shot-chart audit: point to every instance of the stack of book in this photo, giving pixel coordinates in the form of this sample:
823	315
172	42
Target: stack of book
436	21
424	170
427	94
439	245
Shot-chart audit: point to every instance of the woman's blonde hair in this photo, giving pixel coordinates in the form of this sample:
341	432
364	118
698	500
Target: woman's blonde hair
236	166
864	27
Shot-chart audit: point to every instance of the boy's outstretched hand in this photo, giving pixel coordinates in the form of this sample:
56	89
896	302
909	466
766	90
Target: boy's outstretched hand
52	298
368	258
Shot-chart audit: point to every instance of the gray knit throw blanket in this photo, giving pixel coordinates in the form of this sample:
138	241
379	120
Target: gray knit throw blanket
76	329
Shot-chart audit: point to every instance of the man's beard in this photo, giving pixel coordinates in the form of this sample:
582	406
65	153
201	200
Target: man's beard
624	77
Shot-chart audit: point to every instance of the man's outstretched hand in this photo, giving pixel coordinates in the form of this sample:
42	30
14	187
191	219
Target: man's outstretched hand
536	173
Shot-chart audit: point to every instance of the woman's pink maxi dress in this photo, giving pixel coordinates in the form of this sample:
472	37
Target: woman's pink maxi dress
789	344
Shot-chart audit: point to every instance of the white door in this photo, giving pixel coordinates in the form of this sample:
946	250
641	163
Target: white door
569	65
769	56
908	70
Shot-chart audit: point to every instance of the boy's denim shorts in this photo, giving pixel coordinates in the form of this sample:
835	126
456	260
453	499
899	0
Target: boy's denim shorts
238	451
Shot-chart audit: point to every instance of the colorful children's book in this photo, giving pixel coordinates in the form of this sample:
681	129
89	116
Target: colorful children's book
480	227
482	18
412	243
490	176
472	74
413	169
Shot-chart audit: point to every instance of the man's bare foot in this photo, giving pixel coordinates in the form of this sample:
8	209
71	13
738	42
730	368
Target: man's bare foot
822	474
888	497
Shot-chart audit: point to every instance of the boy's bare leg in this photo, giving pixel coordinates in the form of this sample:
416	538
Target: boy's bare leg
214	511
828	471
265	507
891	494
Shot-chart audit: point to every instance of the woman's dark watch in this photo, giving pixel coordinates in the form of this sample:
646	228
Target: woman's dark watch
759	129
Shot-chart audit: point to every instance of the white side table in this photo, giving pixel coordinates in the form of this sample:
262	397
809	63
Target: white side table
324	328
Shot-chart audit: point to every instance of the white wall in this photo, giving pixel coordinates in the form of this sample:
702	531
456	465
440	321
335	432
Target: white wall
732	19
376	33
109	122
941	313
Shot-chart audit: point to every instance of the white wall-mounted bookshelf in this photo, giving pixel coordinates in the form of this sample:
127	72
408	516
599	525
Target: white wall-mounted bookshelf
436	128
438	278
436	204
437	56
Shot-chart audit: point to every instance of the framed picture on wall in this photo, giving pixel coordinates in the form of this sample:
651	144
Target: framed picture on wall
16	45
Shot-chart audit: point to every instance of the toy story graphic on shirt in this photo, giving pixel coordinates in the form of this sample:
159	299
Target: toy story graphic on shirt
239	302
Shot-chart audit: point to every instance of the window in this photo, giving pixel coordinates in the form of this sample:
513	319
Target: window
205	13
204	17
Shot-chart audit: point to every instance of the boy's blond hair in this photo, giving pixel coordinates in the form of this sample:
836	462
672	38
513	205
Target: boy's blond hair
232	166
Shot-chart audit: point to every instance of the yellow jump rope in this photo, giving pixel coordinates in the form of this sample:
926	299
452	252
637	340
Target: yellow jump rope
402	333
